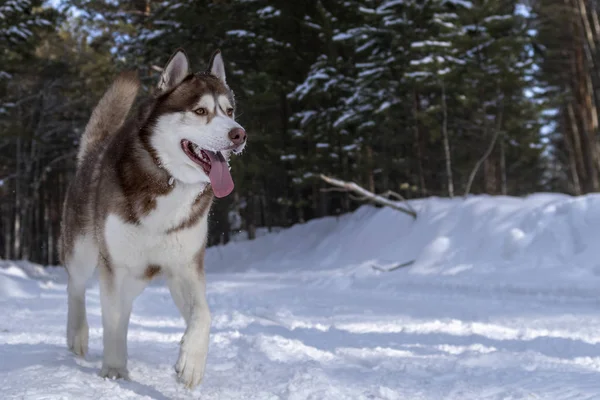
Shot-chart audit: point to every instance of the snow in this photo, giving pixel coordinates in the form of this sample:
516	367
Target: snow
501	302
498	18
370	72
305	116
427	60
432	43
384	106
445	24
315	78
463	3
390	22
241	33
268	12
390	3
366	45
342	36
343	118
417	74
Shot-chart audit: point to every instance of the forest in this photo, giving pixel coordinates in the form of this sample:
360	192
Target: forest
415	97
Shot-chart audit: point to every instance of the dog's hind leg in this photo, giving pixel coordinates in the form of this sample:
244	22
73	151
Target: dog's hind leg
80	267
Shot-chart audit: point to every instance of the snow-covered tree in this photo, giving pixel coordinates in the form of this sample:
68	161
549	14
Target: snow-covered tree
20	23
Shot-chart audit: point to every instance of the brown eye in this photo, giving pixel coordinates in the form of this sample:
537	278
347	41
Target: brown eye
201	111
230	112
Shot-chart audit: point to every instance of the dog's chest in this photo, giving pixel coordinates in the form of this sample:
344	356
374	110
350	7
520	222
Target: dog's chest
153	240
173	209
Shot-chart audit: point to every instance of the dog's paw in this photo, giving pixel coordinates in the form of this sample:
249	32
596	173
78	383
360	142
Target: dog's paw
114	373
190	367
77	340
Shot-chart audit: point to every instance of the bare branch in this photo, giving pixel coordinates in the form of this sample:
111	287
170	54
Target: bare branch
48	167
343	190
357	198
393	195
353	187
333	189
7	177
393	267
487	153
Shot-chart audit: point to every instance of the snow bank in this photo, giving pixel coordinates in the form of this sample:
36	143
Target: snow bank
540	240
547	241
22	279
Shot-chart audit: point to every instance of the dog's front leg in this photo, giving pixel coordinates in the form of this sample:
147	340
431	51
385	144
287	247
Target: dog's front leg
117	292
188	288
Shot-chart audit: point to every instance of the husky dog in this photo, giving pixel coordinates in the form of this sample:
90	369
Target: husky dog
139	201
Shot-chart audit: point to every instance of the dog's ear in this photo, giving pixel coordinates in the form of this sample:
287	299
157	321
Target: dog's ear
175	71
216	66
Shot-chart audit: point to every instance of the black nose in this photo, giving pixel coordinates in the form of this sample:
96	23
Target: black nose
237	136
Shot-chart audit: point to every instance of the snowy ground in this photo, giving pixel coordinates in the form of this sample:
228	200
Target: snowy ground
503	302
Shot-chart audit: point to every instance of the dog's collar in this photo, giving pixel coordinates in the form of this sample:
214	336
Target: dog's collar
171	178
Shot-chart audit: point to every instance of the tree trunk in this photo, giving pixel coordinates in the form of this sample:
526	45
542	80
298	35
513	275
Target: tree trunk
418	150
250	216
346	176
8	224
16	253
447	155
503	183
489	176
484	159
585	108
370	168
323	201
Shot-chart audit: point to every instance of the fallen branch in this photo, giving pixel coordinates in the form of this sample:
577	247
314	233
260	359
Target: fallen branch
356	198
333	189
366	195
393	195
393	268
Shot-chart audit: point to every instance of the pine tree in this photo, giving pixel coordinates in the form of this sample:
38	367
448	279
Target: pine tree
567	39
396	95
21	21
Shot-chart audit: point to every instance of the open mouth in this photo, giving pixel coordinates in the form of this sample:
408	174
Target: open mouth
197	155
213	164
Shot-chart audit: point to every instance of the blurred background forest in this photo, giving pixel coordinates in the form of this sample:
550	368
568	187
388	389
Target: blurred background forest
413	96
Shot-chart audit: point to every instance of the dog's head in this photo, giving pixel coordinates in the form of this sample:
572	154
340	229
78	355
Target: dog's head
194	131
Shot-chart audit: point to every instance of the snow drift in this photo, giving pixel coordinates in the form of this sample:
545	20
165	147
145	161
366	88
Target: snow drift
539	240
501	302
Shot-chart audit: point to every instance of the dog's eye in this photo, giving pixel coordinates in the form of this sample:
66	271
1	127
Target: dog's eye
230	112
201	111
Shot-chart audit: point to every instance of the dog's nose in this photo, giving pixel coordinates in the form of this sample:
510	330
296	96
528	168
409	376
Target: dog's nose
237	136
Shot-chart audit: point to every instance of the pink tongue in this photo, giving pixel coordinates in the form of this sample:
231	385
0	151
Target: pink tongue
220	177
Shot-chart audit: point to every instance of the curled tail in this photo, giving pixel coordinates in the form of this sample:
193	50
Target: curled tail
110	112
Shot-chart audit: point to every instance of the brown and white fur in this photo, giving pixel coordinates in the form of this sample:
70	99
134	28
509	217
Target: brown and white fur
139	202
